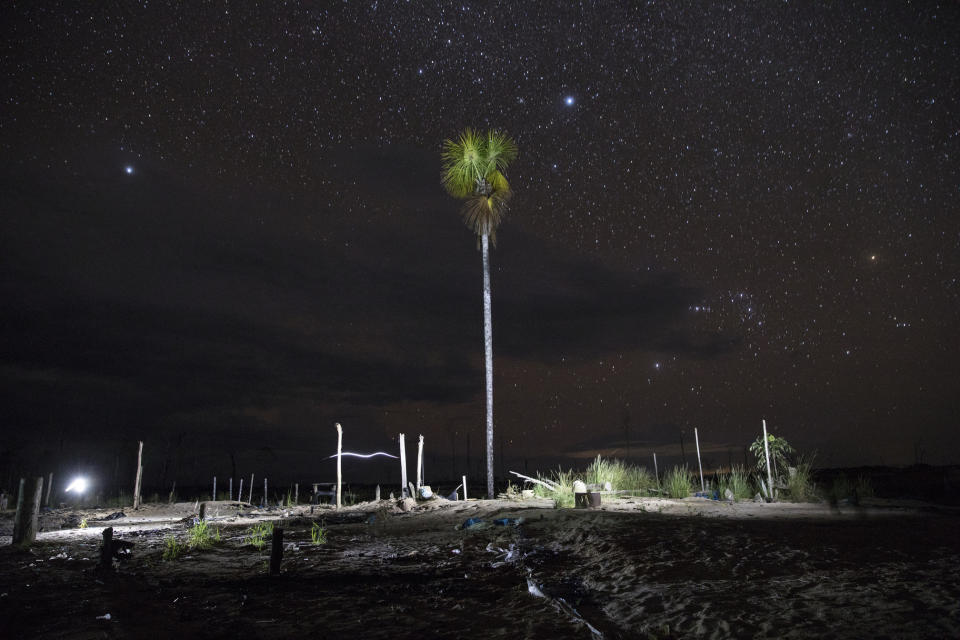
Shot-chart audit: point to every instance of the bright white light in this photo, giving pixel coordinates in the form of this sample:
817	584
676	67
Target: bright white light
361	455
569	101
79	485
128	169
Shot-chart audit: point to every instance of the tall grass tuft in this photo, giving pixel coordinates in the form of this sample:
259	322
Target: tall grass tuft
564	494
172	549
318	534
738	482
677	483
258	534
800	485
202	536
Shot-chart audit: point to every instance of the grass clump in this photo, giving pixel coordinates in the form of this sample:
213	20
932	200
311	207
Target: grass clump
318	534
563	480
259	533
172	549
677	483
738	482
620	475
800	486
202	536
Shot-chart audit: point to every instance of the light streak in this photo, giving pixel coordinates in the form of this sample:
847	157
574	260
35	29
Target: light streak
79	485
363	455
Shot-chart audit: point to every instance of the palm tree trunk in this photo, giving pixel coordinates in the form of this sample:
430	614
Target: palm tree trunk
488	355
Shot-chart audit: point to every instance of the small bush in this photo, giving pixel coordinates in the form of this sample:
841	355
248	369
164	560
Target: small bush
677	483
738	482
564	494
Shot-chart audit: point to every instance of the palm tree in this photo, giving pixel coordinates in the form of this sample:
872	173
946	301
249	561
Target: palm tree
473	171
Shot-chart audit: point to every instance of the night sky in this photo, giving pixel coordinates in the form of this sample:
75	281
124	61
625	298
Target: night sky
223	230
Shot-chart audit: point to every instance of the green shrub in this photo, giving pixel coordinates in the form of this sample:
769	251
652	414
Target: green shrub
620	475
564	482
677	483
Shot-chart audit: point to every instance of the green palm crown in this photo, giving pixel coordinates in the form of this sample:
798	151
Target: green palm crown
473	170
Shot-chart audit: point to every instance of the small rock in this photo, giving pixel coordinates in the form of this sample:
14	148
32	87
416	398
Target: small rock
407	504
728	494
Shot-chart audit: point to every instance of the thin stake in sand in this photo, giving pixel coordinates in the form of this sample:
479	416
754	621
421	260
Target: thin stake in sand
136	486
403	467
696	437
766	451
339	467
250	497
420	463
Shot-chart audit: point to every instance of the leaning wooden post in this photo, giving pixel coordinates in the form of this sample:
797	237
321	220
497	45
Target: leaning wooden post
656	472
136	486
420	463
250	498
403	467
339	467
696	437
46	500
766	451
106	551
240	491
276	551
28	509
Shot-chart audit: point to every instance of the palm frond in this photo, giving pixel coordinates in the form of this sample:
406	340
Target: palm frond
500	150
483	214
463	163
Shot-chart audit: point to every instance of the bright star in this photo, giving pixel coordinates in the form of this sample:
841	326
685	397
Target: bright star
569	101
128	169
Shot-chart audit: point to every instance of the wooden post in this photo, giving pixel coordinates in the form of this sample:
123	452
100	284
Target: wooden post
464	487
106	551
136	486
696	437
339	467
296	493
276	551
403	467
202	515
766	451
250	498
240	491
230	496
46	500
656	472
420	463
28	509
214	488
266	500
376	496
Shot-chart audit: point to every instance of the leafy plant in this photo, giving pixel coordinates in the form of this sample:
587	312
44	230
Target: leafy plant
172	549
563	480
780	451
318	534
677	482
83	523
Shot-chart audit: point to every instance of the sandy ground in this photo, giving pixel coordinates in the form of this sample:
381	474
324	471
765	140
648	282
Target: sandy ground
634	568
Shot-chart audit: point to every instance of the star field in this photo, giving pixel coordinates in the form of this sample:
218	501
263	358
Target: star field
722	212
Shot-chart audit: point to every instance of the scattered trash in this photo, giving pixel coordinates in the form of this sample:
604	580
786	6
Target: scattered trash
508	522
454	551
426	492
728	494
472	522
105	616
116	515
534	589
